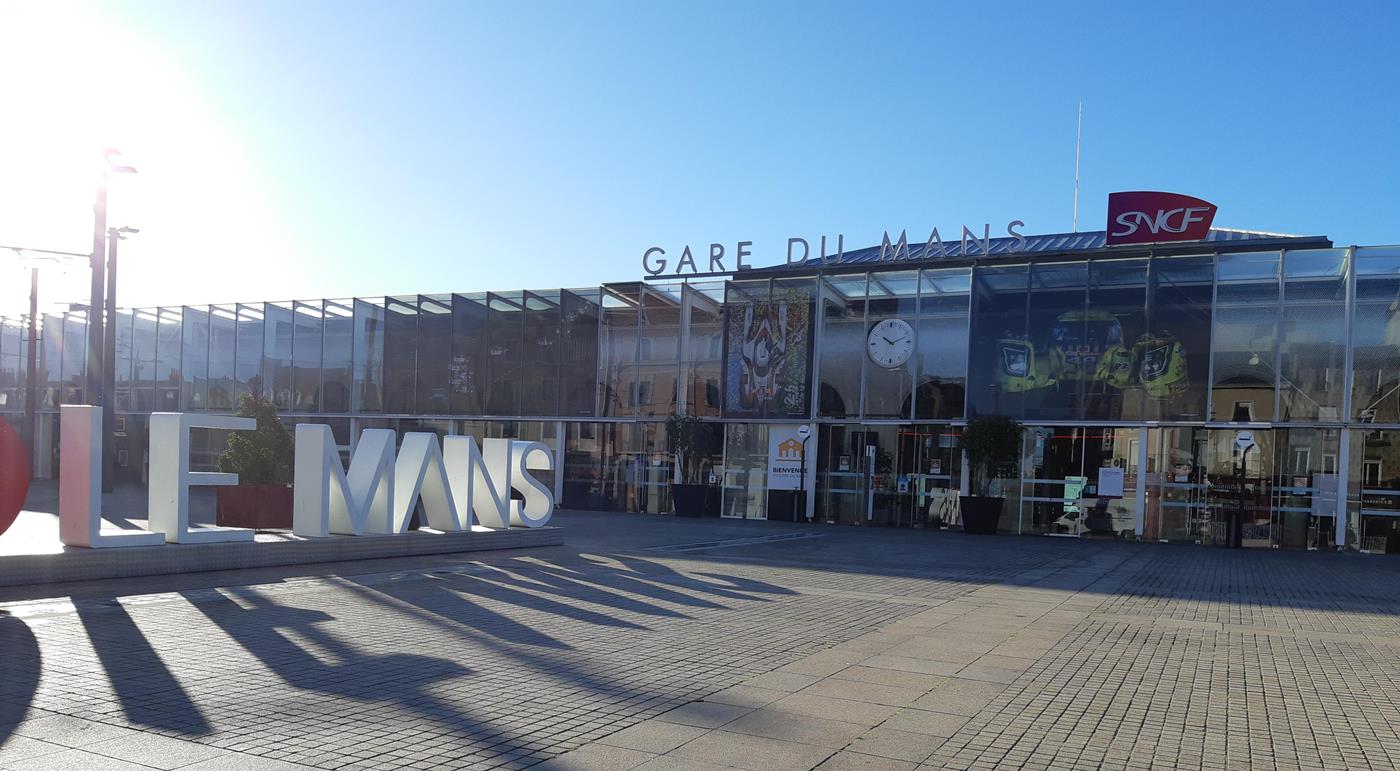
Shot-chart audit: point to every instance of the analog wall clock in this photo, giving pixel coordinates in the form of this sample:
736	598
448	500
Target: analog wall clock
891	343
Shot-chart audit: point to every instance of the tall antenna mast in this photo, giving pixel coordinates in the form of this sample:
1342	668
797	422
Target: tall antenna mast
1078	130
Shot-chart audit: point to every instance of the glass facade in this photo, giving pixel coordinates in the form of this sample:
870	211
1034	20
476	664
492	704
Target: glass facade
1136	375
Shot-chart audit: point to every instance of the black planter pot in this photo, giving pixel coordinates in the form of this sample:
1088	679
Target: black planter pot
980	513
695	500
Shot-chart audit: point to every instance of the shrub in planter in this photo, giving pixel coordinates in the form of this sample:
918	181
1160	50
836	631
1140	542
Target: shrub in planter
262	459
991	443
692	440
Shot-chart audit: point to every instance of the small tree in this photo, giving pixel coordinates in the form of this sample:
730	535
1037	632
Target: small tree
264	456
690	440
989	442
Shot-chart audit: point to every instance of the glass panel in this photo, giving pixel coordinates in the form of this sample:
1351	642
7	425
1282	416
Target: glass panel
704	348
652	469
1312	356
1375	336
277	353
1068	337
50	374
306	356
617	345
73	356
505	330
124	359
1004	365
11	366
541	354
1173	357
1249	277
1245	338
468	369
941	360
368	381
745	470
658	350
579	355
1176	485
842	349
1117	319
223	344
249	359
434	354
596	468
337	348
890	341
168	376
1305	488
195	359
1373	505
143	366
400	354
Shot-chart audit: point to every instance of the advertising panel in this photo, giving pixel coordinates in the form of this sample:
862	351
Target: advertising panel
767	350
785	457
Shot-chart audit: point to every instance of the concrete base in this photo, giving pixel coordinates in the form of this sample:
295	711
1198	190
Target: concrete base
268	550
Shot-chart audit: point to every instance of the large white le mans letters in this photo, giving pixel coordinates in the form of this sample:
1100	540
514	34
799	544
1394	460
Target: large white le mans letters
461	487
457	483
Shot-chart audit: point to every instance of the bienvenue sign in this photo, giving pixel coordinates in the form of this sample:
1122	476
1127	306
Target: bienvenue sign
460	483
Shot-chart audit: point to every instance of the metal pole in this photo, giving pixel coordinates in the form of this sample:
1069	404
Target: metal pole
109	367
95	341
31	386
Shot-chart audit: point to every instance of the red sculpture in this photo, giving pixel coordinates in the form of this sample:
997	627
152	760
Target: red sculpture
14	475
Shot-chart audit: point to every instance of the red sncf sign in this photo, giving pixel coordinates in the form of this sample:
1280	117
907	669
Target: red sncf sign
1147	216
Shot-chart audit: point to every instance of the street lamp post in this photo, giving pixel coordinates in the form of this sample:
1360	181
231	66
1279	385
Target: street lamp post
31	382
94	379
109	361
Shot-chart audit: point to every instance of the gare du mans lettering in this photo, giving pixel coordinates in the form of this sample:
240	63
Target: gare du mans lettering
460	484
799	251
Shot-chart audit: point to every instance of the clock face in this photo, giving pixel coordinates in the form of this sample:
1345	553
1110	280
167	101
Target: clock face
891	342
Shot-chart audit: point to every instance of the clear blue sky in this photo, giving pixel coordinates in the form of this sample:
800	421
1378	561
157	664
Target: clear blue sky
458	146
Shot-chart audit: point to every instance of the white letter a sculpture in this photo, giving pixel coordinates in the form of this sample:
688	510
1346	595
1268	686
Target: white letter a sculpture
327	500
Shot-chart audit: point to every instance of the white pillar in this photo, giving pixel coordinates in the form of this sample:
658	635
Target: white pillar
1343	482
1140	527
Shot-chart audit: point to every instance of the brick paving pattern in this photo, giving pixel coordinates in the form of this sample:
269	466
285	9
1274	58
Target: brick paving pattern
656	643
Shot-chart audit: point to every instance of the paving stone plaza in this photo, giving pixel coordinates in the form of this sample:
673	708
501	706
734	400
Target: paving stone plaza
657	643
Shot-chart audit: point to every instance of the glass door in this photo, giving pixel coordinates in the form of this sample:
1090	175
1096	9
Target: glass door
926	484
1080	481
840	469
1305	489
1176	485
1240	475
745	487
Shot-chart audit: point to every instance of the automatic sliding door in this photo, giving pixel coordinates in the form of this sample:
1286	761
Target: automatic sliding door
1080	481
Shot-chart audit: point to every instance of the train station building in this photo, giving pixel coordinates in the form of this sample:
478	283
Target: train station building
1163	383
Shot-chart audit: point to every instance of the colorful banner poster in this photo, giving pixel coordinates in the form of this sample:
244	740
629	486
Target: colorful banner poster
767	351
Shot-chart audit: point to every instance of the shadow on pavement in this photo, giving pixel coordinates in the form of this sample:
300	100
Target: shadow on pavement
149	693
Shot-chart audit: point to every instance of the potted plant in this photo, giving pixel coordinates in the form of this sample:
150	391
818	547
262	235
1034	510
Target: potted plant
262	459
691	441
989	442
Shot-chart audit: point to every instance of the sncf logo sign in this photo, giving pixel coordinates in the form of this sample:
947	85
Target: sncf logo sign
1145	216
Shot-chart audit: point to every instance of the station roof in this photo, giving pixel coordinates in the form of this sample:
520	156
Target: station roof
1061	245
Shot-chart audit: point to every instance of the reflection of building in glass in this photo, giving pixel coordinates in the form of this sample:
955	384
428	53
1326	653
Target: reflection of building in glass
1151	359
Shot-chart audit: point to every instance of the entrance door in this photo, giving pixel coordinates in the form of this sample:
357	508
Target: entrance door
926	483
745	488
1240	479
1080	481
